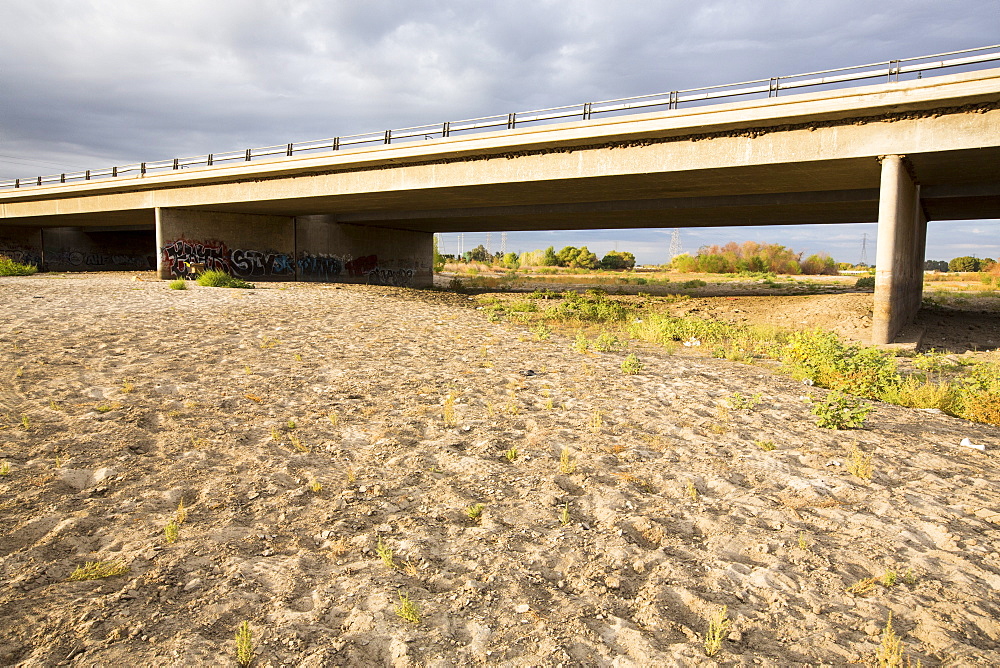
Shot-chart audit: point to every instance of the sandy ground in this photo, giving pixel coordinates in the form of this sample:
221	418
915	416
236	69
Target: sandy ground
121	399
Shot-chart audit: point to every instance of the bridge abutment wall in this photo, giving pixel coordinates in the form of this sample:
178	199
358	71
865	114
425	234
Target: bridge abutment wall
902	239
22	244
288	248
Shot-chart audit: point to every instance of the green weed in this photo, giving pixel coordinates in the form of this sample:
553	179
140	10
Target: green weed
567	463
96	570
564	517
9	267
718	629
385	553
178	284
475	511
738	402
244	644
216	278
407	609
172	531
631	365
840	411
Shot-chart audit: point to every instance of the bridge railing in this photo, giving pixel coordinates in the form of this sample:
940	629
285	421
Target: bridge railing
889	71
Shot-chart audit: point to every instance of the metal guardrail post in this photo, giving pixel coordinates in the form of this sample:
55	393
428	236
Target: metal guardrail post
248	155
17	183
388	137
288	150
142	168
336	144
893	71
39	180
446	129
772	86
114	171
211	158
62	178
87	176
176	163
586	111
511	121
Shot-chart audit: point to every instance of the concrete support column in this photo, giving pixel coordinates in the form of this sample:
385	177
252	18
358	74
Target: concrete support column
162	267
902	230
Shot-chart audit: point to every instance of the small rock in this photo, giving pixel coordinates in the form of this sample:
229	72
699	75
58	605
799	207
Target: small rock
522	608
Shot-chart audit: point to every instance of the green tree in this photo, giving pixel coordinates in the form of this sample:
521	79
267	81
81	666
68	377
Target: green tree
965	263
480	254
438	258
550	259
567	255
511	261
616	260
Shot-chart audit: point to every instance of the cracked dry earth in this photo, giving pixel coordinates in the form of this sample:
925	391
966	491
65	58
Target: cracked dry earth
121	399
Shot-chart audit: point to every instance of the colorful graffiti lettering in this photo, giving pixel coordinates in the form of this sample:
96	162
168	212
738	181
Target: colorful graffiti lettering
254	263
214	255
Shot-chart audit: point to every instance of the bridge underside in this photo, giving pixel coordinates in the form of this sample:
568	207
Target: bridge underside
900	154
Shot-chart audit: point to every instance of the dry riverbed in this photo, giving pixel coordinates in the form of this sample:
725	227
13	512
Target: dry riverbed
309	430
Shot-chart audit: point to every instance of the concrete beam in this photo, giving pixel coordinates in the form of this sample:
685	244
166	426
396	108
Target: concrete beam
902	235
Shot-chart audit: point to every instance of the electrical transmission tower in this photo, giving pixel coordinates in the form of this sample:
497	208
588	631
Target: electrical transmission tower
503	243
864	250
489	244
675	243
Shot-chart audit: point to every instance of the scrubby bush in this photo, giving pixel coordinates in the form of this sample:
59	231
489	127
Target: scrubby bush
178	284
821	357
216	278
9	267
865	283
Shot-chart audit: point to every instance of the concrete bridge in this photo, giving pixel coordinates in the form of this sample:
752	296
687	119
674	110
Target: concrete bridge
900	153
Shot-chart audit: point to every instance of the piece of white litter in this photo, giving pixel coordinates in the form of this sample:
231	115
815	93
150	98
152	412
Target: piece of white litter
969	444
808	381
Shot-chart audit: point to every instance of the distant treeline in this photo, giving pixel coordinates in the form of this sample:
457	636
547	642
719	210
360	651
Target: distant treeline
753	257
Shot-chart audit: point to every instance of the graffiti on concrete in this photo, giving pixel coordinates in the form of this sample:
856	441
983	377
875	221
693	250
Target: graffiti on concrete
22	255
212	254
94	260
248	263
255	263
399	278
362	266
320	267
245	263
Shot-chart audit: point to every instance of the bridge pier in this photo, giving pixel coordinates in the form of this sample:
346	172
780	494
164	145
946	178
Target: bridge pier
289	248
902	238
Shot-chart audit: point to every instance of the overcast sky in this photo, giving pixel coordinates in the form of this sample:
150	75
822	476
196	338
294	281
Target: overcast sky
87	84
